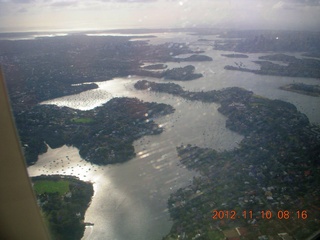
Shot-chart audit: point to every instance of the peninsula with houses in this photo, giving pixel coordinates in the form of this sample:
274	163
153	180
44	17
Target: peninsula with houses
306	89
63	201
104	135
280	148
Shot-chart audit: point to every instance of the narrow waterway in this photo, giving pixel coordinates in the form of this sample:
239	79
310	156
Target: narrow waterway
130	200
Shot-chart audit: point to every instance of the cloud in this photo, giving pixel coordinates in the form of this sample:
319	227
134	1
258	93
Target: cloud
94	14
283	5
16	1
22	10
130	1
22	1
64	4
295	4
308	2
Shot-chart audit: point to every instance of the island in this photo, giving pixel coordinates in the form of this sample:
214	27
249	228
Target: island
262	41
63	201
280	57
312	54
194	58
179	74
175	89
156	66
235	55
306	89
280	148
291	66
279	42
182	74
204	40
103	135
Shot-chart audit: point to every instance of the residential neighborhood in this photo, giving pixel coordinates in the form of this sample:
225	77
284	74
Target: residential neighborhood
270	180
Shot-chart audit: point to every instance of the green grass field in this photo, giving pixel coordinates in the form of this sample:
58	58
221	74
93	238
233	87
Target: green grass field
43	186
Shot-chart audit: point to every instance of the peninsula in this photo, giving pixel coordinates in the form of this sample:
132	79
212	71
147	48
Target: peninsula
290	66
46	68
279	42
103	135
306	89
280	148
63	201
309	68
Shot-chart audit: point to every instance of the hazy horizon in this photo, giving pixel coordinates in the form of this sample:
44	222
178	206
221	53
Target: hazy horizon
66	15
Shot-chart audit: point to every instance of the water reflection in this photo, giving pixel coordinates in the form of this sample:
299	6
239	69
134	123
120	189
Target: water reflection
65	161
130	200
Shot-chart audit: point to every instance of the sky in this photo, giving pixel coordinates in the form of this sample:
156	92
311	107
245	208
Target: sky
56	15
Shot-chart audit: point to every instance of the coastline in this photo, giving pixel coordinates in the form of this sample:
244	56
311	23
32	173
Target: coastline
310	90
144	152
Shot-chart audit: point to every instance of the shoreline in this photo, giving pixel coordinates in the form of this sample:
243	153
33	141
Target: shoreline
313	90
287	136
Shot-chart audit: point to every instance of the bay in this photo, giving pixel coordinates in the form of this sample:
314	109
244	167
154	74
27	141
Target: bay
130	200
